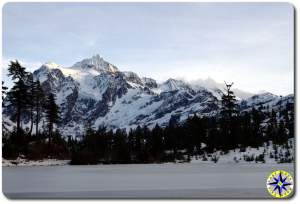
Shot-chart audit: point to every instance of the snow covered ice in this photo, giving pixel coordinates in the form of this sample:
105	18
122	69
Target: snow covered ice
140	181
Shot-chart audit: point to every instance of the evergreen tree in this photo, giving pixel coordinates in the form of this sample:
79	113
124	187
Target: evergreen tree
281	136
145	157
138	137
51	114
246	136
31	103
18	95
272	127
120	147
228	103
171	133
102	143
289	118
156	141
18	101
214	139
228	122
16	71
39	98
131	142
197	131
4	88
109	145
257	119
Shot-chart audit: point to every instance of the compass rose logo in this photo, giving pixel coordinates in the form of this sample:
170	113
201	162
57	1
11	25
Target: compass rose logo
280	184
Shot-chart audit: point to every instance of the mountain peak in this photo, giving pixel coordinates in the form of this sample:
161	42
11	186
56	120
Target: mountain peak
51	65
96	62
174	84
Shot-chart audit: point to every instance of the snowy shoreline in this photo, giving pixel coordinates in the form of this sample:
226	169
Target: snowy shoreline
24	162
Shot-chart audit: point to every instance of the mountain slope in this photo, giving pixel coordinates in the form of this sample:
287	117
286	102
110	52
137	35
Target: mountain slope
96	92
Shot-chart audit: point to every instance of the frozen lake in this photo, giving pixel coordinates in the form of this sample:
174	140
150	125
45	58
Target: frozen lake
140	181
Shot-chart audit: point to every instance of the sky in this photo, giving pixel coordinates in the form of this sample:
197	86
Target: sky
250	44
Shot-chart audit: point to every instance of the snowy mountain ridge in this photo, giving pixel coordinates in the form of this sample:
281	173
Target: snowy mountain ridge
96	92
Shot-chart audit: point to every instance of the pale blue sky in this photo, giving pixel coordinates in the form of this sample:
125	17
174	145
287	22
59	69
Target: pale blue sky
250	44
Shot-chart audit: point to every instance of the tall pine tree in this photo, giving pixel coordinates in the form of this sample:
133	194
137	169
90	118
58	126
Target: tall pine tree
31	103
51	114
39	98
228	112
18	95
228	103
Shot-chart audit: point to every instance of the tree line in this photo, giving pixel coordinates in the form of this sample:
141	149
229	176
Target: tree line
198	135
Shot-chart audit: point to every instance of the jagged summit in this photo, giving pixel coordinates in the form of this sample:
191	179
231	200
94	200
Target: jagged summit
51	65
173	85
96	62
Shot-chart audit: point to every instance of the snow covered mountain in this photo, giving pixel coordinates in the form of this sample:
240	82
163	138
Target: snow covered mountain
96	92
